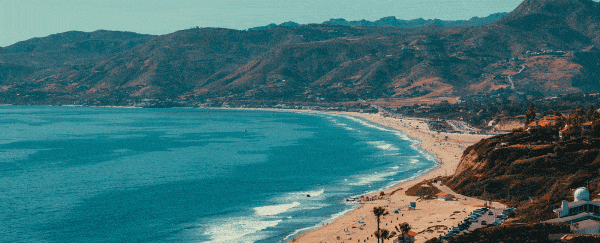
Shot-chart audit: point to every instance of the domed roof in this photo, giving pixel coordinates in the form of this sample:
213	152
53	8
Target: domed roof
581	194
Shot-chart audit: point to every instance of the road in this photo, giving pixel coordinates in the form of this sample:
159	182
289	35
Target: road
469	200
512	84
495	207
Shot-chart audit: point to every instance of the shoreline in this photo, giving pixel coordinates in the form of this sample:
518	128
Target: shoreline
447	149
430	218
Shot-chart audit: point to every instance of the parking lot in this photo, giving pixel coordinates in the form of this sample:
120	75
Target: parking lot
482	217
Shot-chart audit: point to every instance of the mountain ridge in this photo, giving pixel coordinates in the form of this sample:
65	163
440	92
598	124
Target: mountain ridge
393	21
316	64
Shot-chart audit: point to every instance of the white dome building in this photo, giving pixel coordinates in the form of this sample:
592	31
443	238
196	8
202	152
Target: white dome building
581	194
582	211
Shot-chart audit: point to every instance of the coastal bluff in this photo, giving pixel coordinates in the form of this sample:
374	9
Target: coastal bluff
530	170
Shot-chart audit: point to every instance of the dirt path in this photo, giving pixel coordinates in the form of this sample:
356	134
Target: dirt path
512	84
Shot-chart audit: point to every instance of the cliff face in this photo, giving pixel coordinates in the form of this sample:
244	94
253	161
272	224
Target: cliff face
531	171
469	160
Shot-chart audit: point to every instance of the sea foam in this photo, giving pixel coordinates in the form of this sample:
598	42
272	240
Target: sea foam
369	179
328	220
240	229
275	209
383	145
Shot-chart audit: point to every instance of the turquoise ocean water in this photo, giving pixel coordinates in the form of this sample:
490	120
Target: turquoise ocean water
77	174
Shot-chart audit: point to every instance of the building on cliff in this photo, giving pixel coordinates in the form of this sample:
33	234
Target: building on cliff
582	214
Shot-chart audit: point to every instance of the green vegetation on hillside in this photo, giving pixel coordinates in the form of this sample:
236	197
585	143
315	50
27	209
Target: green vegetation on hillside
479	109
534	170
425	189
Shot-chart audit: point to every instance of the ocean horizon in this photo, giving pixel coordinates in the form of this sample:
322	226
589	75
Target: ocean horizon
97	174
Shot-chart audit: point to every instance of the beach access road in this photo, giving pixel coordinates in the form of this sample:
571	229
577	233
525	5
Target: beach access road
469	200
496	208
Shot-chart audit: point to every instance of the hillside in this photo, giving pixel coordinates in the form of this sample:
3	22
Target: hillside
325	65
533	171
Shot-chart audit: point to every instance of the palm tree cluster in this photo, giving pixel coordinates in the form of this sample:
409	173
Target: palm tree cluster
384	234
403	228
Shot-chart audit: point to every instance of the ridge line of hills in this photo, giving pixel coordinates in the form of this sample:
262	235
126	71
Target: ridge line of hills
393	21
543	47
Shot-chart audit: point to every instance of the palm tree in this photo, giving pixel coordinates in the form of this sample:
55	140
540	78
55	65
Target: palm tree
384	234
403	228
379	211
530	114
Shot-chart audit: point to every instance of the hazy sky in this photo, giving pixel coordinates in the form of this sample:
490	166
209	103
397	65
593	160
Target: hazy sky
25	19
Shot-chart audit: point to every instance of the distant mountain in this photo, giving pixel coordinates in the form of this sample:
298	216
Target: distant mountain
567	19
392	21
285	24
545	47
97	41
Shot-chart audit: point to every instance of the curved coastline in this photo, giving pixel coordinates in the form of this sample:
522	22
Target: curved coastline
446	147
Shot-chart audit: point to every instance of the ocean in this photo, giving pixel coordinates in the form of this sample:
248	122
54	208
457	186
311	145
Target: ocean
93	174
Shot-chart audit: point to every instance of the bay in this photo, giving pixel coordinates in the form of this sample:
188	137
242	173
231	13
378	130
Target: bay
83	174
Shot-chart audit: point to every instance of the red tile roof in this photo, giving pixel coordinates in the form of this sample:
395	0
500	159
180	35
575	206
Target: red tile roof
541	123
546	123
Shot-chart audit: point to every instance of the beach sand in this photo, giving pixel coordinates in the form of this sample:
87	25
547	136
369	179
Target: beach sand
431	218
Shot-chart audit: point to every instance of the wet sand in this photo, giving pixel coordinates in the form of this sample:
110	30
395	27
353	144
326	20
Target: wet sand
431	218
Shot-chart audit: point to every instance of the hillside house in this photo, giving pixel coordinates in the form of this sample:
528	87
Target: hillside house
540	124
586	128
551	118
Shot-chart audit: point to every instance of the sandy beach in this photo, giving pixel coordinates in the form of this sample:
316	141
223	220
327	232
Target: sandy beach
431	217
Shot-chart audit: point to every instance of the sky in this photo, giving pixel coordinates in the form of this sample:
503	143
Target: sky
25	19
